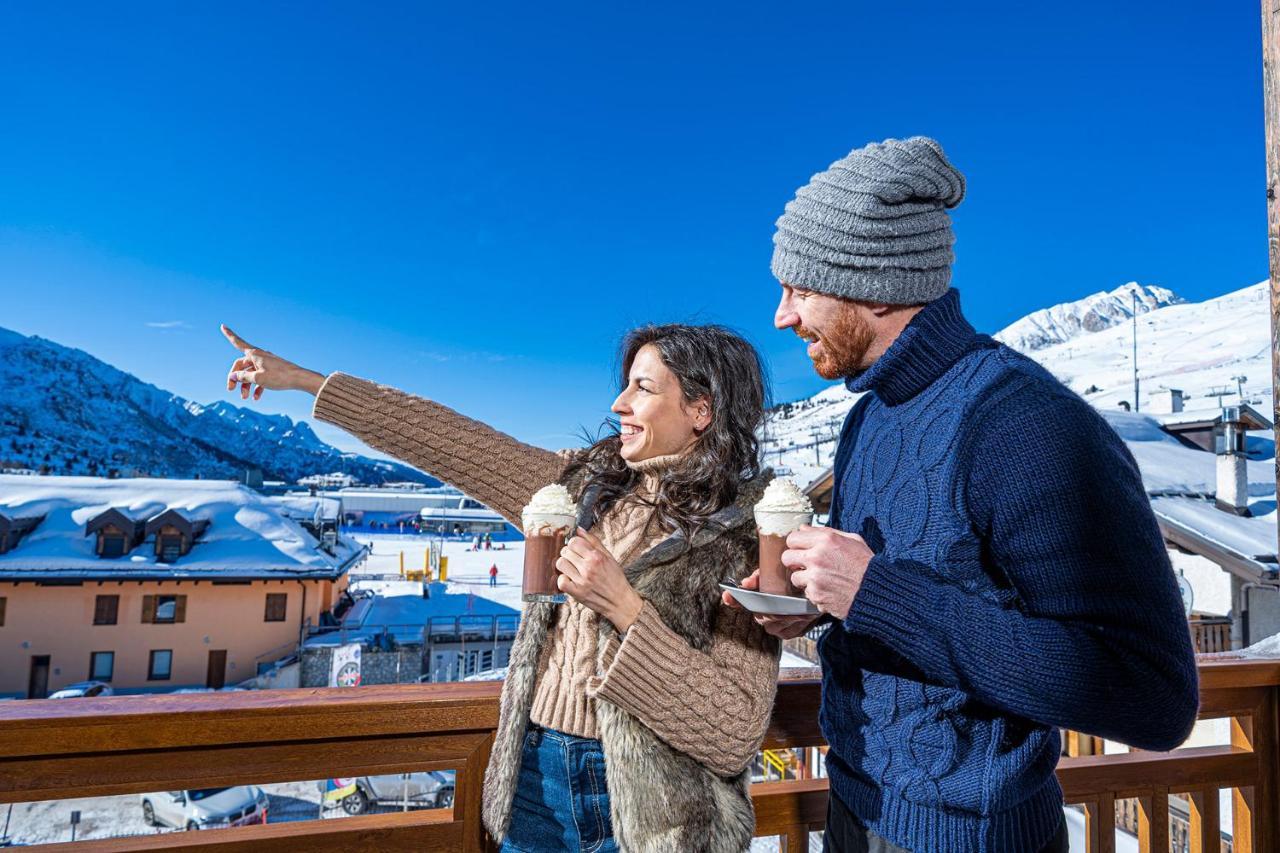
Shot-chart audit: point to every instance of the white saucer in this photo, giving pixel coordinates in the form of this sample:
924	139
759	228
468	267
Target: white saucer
774	605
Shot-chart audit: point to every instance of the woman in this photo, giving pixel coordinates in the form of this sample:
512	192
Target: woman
631	713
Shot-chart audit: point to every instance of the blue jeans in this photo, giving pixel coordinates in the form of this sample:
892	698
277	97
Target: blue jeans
561	800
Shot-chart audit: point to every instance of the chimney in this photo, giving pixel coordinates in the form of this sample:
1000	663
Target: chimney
1167	401
1233	472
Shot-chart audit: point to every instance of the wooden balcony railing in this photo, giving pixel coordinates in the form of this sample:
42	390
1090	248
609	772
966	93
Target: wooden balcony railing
1210	633
98	747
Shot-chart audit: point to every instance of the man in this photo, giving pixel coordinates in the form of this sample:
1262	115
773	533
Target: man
992	570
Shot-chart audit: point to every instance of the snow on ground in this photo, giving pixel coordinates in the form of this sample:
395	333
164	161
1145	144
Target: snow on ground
468	570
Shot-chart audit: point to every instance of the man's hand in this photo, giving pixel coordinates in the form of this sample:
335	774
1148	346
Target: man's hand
829	566
782	627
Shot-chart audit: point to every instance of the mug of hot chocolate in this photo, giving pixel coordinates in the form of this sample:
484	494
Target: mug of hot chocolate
782	509
548	520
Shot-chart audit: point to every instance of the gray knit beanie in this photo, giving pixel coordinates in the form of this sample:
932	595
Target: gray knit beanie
874	226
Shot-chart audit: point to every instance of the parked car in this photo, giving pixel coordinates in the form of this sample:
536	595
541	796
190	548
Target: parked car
426	790
201	808
83	688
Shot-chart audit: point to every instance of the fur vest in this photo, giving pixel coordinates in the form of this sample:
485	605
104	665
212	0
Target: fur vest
660	800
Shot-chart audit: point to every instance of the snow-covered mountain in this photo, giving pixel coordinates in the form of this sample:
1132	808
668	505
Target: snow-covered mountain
1102	310
1202	349
65	412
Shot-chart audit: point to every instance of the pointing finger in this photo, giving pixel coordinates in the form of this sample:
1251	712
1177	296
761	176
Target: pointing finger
236	341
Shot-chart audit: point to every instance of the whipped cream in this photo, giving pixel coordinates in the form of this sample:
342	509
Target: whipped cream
783	496
549	506
782	509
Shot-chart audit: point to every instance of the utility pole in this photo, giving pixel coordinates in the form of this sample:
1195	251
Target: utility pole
1136	404
1271	113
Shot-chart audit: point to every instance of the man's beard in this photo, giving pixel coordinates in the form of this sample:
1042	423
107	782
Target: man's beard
844	344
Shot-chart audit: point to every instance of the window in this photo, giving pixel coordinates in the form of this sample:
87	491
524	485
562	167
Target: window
105	609
112	545
169	548
164	608
276	604
160	665
101	666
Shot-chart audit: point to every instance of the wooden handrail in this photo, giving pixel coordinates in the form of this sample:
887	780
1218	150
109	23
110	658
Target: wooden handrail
52	749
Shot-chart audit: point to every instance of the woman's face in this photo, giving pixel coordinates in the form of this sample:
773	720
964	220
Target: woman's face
656	420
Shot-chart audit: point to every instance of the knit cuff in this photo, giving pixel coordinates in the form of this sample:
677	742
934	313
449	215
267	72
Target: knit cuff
899	606
640	669
344	400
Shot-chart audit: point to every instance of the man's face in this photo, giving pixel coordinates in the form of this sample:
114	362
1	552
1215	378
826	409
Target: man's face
837	330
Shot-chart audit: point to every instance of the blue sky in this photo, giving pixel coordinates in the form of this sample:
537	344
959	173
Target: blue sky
473	202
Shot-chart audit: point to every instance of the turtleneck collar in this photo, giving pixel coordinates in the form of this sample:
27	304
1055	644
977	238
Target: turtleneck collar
651	469
930	344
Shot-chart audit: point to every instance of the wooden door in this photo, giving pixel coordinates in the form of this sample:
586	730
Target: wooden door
38	683
217	674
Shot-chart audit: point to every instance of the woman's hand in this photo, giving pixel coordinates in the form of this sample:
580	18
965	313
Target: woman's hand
589	573
267	370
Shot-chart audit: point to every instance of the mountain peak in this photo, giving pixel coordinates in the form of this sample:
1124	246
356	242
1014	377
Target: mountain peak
67	412
1102	310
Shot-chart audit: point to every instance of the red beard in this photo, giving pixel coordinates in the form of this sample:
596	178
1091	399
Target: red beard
844	344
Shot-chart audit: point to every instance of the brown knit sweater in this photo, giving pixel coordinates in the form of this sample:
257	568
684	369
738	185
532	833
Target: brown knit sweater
568	661
702	703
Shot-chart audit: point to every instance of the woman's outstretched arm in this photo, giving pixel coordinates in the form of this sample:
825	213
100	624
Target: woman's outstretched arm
488	465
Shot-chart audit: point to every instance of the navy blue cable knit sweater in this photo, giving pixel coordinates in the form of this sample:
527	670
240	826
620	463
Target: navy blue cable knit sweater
1019	584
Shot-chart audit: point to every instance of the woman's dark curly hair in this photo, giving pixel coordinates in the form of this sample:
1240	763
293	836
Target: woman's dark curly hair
709	361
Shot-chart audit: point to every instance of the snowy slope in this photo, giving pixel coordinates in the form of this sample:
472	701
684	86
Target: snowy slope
64	409
1194	347
1102	310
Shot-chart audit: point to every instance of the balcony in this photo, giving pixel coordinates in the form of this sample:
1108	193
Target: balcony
99	747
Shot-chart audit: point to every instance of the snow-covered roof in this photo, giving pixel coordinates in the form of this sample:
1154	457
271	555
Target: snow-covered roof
405	616
1252	538
1210	412
303	506
1170	467
248	535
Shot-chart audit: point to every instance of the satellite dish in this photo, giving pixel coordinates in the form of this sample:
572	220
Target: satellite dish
1188	594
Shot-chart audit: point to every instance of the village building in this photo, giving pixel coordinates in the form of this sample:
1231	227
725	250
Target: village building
158	584
440	510
435	636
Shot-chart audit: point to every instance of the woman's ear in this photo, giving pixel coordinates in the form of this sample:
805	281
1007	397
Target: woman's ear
701	414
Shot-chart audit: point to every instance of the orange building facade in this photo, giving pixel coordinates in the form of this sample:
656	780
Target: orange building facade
149	635
155	585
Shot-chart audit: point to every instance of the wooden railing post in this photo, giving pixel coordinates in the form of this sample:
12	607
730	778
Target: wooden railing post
1100	824
1153	821
468	793
1206	828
